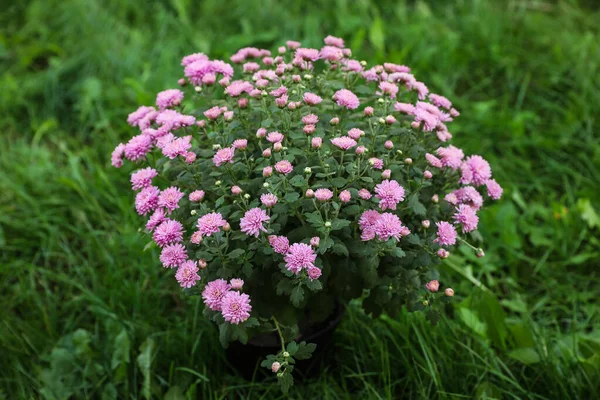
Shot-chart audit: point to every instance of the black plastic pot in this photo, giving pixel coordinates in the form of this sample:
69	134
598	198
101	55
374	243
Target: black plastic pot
246	358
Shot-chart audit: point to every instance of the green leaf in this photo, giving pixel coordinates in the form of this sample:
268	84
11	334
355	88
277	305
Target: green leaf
121	353
298	181
291	197
236	253
291	348
338	224
174	393
415	205
398	252
225	334
314	285
314	218
526	355
341	249
433	316
305	350
285	381
144	361
588	214
472	321
297	295
377	34
352	210
339	182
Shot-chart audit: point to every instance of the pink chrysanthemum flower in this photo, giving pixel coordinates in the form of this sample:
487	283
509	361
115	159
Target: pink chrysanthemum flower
345	196
187	274
446	234
177	147
467	217
299	256
280	244
377	163
440	101
307	54
214	292
310	119
284	167
168	232
313	273
187	60
236	307
268	199
275	137
137	147
280	91
236	283
196	237
236	88
343	142
169	98
252	222
210	223
323	194
240	144
480	170
334	41
432	286
389	194
314	241
171	119
155	219
494	190
451	156
364	194
196	196
331	53
169	198
316	142
388	88
135	117
116	158
173	255
470	196
146	200
404	108
223	156
213	113
367	223
142	178
433	160
345	98
388	225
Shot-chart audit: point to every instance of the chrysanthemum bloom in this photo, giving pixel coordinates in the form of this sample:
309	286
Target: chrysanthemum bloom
309	129
388	88
236	283
282	101
266	152
364	194
446	234
361	150
146	200
284	167
171	119
173	255
334	41
213	113
169	198
440	101
196	196
142	178
470	196
214	292
313	273
307	54
467	217
443	253
190	157
405	108
343	142
236	190
299	256
494	190
277	146
331	53
280	91
432	286
155	219
250	67
314	241
177	147
196	237
168	232
316	142
187	60
367	223
389	194
427	174
268	199
345	98
210	223
386	174
224	156
451	156
252	222
275	137
169	98
187	274
376	163
292	44
236	307
480	170
310	119
323	194
267	171
355	133
345	196
116	158
388	225
137	147
240	144
280	244
135	117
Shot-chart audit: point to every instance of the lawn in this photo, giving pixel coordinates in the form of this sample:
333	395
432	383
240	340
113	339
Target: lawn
85	313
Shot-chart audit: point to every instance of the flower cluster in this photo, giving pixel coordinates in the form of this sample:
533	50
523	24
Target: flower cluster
315	177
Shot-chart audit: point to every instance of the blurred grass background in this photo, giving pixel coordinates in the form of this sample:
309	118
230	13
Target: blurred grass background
84	313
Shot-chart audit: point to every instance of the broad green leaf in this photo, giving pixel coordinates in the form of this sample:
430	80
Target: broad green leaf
144	361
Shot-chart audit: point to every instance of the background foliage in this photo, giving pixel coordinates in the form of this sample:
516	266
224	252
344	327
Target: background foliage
85	314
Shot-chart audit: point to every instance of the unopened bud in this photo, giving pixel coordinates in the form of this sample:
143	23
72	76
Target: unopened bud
193	212
246	196
218	183
327	224
198	89
479	252
286	354
226	227
408	161
307	170
449	292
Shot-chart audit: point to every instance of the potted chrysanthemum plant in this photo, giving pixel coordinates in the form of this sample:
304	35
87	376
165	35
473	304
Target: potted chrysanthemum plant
280	187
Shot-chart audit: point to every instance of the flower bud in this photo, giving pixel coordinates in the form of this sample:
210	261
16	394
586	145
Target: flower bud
266	185
415	124
266	152
275	366
202	263
425	303
317	142
361	149
328	224
408	161
435	198
363	63
201	123
198	89
314	242
425	223
216	146
345	196
236	190
399	152
296	78
427	175
381	120
228	115
280	50
433	286
389	144
226	227
261	132
286	354
243	102
182	82
380	100
218	183
334	121
368	111
308	129
277	146
386	174
308	77
479	252
267	171
309	193
449	292
443	253
292	106
307	170
246	196
390	119
190	157
193	212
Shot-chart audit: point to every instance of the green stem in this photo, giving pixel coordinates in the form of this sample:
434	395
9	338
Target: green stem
280	334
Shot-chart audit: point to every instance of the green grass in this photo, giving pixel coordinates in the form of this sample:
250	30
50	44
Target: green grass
84	313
